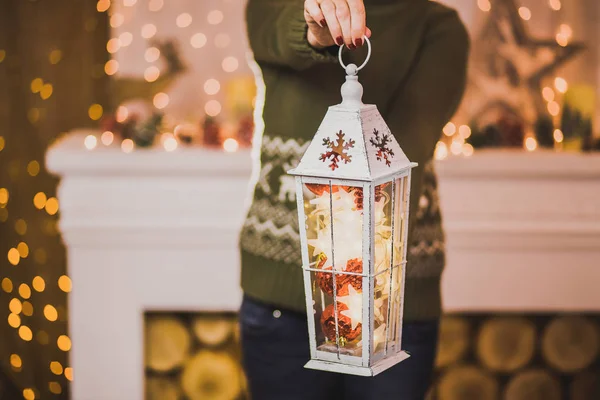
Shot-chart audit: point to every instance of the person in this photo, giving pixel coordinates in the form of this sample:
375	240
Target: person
416	76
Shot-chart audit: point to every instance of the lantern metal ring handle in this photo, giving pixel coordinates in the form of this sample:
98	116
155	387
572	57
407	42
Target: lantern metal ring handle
366	39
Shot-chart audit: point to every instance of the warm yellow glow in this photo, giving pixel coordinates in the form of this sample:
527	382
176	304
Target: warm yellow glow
4	196
15	306
55	57
2	55
90	142
555	4
111	67
129	3
95	112
23	249
148	31
467	150
230	64
548	93
127	145
183	20
14	321
125	39
65	284
155	5
464	131
151	54
531	144
561	84
36	85
24	291
55	387
117	20
52	205
484	5
28	394
7	285
33	168
50	313
212	86
230	145
39	200
553	108
2	143
449	129
198	40
69	373
46	91
39	284
27	308
562	40
169	142
107	138
525	13
64	343
566	30
21	226
56	368
222	40
212	108
161	100
13	256
122	114
15	361
456	147
441	151
558	136
215	17
151	73
113	45
103	5
25	333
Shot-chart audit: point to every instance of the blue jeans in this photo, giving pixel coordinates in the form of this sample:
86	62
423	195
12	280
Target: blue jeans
275	349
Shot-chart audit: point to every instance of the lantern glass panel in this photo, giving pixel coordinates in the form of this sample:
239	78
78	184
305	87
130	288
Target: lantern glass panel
334	216
383	236
401	197
395	303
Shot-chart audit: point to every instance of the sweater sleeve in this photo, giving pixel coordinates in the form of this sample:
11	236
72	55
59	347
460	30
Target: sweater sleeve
431	92
277	34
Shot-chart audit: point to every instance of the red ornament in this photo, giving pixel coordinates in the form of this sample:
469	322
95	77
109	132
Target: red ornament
325	279
319	189
358	195
344	325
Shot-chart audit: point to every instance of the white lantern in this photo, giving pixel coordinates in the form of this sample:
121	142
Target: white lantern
353	189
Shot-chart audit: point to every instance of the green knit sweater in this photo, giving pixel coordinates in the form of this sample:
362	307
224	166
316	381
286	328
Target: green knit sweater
416	77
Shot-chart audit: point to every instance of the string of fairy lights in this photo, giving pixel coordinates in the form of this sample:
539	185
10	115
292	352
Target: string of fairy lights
458	134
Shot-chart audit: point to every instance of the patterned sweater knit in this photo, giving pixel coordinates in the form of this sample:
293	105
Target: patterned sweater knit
416	77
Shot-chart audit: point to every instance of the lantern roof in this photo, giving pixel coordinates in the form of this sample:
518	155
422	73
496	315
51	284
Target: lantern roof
353	141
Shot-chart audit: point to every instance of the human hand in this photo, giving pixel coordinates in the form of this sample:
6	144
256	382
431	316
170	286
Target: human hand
336	22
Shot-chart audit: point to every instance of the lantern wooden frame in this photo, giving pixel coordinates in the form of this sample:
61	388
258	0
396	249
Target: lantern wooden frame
369	162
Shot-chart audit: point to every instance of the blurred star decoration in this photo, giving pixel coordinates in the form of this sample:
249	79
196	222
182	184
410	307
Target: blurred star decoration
507	69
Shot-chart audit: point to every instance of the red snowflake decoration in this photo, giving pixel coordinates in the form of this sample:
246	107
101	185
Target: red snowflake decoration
381	142
337	150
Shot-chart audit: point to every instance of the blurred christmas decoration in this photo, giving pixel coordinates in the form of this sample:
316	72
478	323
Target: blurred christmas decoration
128	88
505	101
576	118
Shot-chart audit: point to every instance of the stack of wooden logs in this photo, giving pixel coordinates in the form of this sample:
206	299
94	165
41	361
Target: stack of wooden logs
193	357
518	358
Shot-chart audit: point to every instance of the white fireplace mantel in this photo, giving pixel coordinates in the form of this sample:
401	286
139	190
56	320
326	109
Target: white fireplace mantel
157	230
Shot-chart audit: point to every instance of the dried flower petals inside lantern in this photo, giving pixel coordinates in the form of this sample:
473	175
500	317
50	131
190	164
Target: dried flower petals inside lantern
353	185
